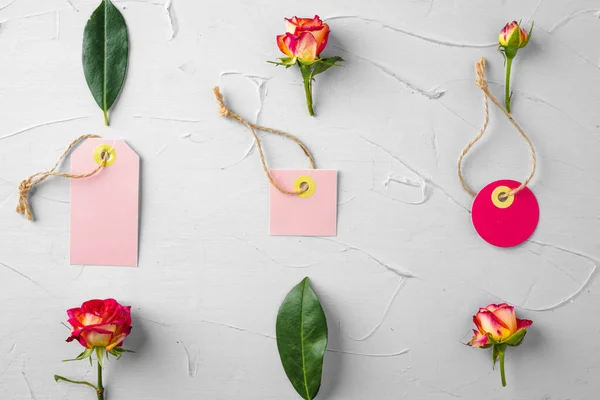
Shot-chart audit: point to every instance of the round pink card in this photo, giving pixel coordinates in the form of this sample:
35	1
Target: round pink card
505	222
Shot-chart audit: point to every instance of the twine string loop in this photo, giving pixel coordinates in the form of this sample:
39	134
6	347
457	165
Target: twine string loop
227	112
483	85
27	184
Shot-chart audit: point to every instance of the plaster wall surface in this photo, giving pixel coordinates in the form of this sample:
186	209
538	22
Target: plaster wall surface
406	272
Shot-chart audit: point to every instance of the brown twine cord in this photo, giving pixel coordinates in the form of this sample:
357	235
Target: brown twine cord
481	82
226	112
27	184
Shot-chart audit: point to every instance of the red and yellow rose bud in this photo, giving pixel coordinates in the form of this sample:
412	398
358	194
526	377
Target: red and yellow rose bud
498	327
513	36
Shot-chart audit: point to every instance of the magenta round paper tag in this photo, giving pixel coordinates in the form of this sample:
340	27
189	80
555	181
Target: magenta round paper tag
505	222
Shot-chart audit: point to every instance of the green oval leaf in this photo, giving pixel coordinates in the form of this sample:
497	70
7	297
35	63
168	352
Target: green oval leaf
105	54
302	339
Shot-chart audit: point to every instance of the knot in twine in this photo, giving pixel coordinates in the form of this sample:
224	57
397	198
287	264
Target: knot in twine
23	205
483	85
223	110
226	112
480	71
27	184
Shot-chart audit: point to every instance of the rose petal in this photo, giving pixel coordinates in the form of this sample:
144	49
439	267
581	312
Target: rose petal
490	324
74	312
96	337
116	341
306	24
94	306
88	319
523	323
283	47
304	46
494	307
478	340
322	37
291	24
506	314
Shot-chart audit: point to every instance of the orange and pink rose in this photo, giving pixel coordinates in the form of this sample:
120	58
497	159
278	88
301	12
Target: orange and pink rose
302	44
496	323
498	327
305	38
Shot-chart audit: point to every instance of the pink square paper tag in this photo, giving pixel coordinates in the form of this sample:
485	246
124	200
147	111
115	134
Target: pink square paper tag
312	213
104	206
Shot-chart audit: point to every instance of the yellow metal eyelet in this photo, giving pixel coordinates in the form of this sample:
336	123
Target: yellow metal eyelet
301	183
502	203
99	152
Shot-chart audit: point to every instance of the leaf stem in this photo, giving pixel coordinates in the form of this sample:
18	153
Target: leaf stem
106	117
509	61
100	389
502	350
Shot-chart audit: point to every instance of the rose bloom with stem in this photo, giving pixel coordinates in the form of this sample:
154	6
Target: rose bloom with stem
512	38
100	326
303	42
498	327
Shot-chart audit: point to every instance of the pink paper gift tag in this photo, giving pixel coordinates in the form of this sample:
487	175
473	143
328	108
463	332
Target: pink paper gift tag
505	222
104	207
312	213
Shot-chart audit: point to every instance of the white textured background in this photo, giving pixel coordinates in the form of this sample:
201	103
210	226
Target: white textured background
399	283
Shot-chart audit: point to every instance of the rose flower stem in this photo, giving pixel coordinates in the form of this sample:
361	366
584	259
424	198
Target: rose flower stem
100	389
502	375
308	91
509	61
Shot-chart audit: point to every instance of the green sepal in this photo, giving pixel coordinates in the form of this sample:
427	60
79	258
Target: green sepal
529	34
508	52
491	340
517	338
324	64
513	41
309	62
86	354
100	355
310	69
285	61
118	352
